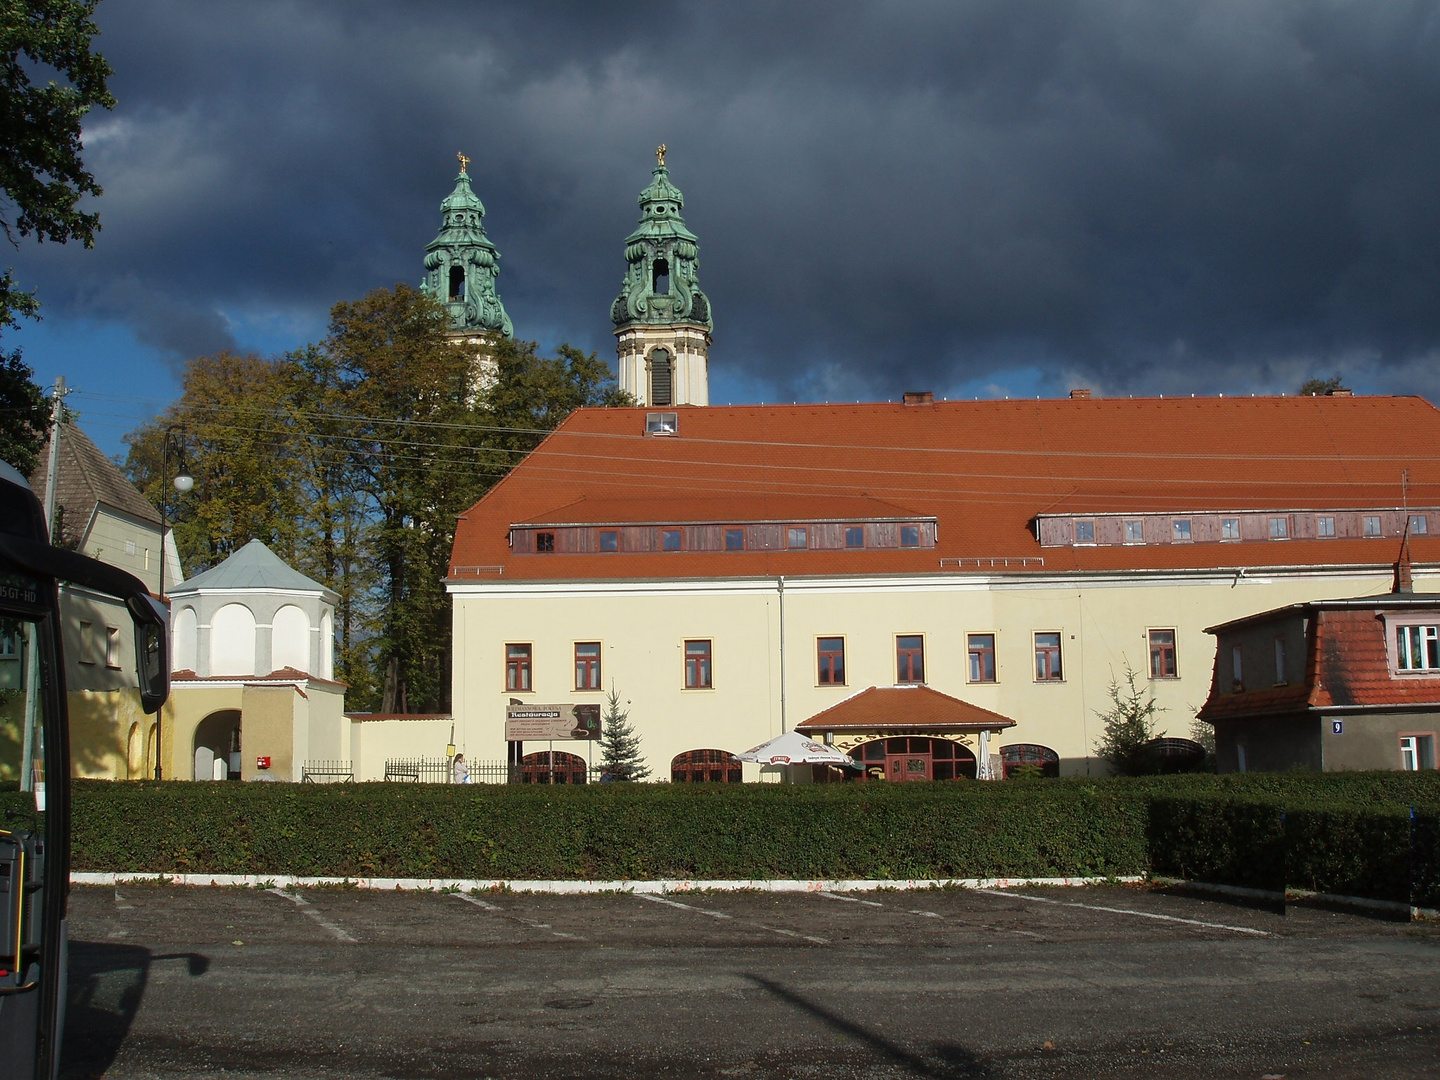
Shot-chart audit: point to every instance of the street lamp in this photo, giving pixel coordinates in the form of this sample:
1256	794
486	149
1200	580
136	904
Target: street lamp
184	482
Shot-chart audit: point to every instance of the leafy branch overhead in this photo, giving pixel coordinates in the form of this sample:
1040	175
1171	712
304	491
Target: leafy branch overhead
42	176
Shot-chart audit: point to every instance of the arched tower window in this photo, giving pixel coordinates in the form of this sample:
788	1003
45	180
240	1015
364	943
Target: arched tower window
660	278
457	283
662	378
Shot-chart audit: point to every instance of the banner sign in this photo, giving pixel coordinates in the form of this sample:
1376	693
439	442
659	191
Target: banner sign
543	723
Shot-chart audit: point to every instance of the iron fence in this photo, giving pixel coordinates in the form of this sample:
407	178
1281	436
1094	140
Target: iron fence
440	771
327	772
421	770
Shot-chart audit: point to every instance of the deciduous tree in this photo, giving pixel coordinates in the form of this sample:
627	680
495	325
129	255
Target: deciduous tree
23	415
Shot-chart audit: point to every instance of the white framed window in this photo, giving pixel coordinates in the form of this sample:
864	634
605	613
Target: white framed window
1134	532
1281	674
1237	670
129	547
1417	648
1418	524
1180	531
1230	529
1084	532
1279	528
87	648
112	647
1324	526
1372	525
1417	752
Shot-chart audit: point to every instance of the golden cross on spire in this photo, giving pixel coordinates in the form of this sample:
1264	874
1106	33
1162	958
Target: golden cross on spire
660	155
464	161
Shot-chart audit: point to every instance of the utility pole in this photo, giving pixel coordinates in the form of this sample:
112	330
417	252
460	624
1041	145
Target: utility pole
52	466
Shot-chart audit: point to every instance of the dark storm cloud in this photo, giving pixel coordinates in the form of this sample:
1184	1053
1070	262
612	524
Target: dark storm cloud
1148	197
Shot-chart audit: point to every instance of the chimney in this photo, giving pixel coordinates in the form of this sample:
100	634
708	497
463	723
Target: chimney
919	397
1078	394
1340	393
1403	578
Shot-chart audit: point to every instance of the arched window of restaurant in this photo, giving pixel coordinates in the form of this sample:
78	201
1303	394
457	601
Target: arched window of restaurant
705	767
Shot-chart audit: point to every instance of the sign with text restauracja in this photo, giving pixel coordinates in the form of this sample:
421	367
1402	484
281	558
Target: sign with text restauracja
541	723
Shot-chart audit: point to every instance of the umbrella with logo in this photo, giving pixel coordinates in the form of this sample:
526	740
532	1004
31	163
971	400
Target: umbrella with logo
792	748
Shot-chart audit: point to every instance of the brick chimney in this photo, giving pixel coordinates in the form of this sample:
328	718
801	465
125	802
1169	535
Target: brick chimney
1077	394
1340	393
919	397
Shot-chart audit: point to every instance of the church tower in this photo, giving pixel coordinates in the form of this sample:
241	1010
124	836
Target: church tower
662	319
461	265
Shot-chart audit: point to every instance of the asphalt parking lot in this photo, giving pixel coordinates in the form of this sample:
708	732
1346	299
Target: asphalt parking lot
1096	982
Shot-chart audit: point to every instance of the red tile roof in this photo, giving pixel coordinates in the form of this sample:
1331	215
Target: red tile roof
1346	664
885	708
983	469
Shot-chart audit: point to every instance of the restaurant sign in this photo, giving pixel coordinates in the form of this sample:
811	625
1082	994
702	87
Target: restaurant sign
540	723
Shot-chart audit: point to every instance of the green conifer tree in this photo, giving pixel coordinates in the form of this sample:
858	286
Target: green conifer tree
619	745
1129	726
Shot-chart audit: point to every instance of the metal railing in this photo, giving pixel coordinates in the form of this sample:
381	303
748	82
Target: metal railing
327	772
441	771
421	770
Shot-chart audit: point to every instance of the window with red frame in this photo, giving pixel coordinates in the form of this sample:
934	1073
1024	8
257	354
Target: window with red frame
1047	657
831	652
1162	654
909	658
982	657
587	665
517	667
697	665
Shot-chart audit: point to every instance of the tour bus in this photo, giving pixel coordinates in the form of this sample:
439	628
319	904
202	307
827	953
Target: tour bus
35	824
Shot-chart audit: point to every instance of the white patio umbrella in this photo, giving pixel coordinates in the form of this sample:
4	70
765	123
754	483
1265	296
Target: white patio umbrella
792	748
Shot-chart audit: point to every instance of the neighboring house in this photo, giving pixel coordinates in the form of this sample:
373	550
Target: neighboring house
732	571
1330	684
253	692
99	513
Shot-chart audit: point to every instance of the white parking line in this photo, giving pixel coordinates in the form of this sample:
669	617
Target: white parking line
514	918
927	914
850	899
1129	911
305	909
675	903
794	934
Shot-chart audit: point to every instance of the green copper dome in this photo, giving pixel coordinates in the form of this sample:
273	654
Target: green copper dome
461	264
660	282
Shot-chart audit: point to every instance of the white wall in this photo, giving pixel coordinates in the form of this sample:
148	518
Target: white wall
232	641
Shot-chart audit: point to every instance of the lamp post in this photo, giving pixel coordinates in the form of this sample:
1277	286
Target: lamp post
183	481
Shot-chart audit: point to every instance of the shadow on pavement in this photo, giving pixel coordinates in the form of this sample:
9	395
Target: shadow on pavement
949	1062
106	983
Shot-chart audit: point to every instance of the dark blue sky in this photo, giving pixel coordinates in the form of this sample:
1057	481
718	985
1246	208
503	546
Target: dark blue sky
975	198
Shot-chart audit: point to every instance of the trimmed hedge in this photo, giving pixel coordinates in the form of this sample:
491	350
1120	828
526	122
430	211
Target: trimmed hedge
1345	833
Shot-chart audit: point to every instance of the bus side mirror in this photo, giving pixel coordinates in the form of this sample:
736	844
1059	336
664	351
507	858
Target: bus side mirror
152	653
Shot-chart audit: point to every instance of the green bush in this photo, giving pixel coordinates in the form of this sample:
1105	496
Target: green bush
1344	832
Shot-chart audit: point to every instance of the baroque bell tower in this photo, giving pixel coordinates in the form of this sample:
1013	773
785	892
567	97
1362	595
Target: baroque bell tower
461	265
662	319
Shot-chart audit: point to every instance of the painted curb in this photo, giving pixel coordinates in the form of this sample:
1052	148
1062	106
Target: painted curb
288	881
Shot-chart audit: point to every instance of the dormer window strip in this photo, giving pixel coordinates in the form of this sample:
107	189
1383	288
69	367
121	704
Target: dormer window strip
1229	526
836	534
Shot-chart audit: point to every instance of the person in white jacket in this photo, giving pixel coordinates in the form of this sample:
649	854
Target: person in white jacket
459	771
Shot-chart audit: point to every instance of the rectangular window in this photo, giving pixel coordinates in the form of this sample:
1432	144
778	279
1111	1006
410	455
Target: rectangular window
1325	526
855	536
587	665
112	647
129	547
910	658
981	648
909	535
1047	657
1230	529
1162	654
609	540
517	667
734	539
1372	525
1417	524
1134	532
1180	531
670	539
1279	528
544	541
1237	673
1084	532
1417	752
799	537
1417	648
831	661
1281	675
697	665
87	650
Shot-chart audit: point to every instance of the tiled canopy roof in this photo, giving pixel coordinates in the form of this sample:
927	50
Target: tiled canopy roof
886	708
984	470
85	477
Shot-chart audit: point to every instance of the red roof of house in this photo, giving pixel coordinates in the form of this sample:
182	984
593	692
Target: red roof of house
1346	663
883	708
984	470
